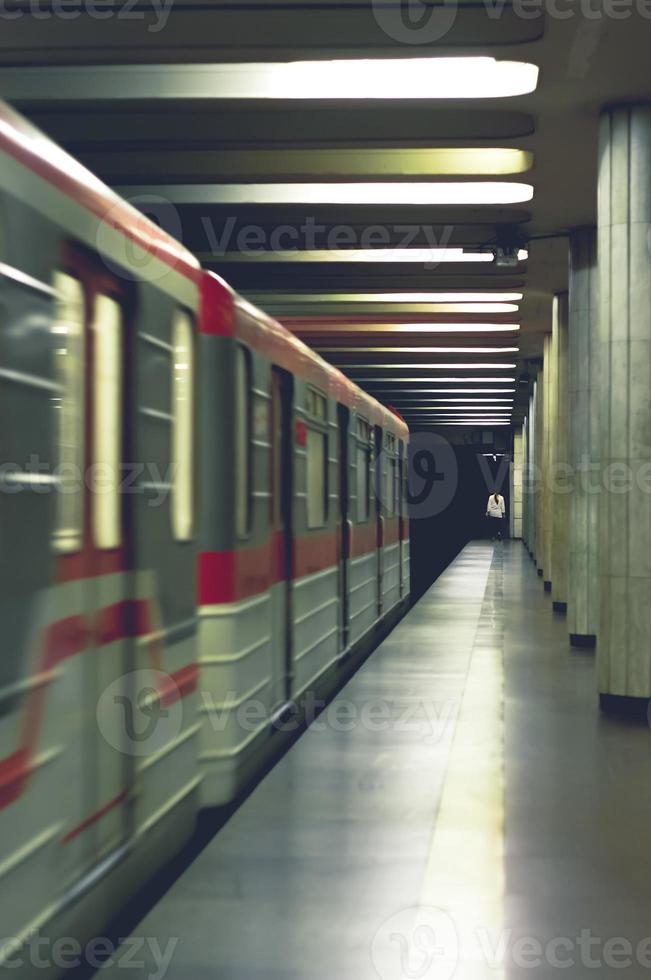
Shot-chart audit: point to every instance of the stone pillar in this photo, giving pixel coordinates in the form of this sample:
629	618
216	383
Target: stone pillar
549	413
560	484
531	470
585	398
516	485
624	230
525	470
540	463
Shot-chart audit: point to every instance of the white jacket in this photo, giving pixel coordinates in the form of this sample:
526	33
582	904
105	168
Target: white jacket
495	508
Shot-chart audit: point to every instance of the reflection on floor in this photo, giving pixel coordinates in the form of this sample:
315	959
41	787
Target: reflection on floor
461	810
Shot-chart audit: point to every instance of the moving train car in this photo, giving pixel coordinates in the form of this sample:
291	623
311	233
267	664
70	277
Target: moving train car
303	538
201	526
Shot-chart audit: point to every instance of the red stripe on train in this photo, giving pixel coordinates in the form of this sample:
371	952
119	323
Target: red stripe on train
14	771
25	144
67	638
94	818
231	576
179	685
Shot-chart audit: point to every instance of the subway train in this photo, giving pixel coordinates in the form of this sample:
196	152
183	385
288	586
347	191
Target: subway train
202	529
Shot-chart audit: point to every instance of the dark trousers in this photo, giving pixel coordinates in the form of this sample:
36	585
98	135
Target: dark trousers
495	527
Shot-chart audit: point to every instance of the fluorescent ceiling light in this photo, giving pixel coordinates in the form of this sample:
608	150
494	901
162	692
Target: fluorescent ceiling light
444	391
492	410
413	402
473	77
403	297
381	78
393	381
453	418
323	328
458	415
489	423
335	320
417	350
408	193
419	256
298	299
442	366
374	162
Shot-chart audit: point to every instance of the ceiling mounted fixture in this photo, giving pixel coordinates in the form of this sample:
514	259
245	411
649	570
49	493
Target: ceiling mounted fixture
417	350
264	299
433	367
381	78
457	418
410	298
350	192
320	328
428	257
493	410
393	381
414	402
442	391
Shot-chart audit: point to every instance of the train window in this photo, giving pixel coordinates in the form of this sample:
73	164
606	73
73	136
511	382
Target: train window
317	482
391	486
390	474
242	442
68	330
363	470
107	429
183	427
316	404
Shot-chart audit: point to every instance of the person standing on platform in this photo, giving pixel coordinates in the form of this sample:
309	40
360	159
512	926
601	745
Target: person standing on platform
495	511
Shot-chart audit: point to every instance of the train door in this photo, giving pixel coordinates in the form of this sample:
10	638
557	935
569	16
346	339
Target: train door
93	548
282	521
379	505
344	522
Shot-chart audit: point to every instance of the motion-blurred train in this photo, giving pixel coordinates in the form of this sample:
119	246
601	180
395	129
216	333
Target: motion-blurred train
201	527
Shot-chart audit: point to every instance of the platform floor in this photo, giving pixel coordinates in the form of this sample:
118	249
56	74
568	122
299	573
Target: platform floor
462	810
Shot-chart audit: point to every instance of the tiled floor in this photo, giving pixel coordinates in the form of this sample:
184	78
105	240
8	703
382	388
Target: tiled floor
461	810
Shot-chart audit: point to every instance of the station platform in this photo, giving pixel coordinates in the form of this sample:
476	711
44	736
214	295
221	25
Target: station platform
462	809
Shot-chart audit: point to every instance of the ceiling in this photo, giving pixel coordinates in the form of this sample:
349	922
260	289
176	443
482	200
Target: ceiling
140	98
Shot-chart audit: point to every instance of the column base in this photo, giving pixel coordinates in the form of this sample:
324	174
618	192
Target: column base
586	640
548	586
559	607
627	708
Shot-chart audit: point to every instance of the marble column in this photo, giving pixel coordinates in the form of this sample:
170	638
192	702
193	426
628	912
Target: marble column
549	413
531	466
585	397
525	470
516	484
624	351
560	484
539	468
